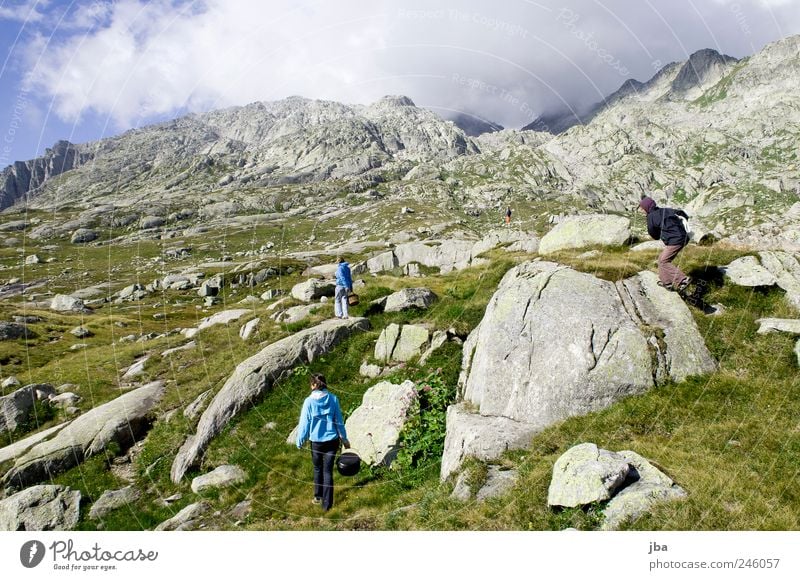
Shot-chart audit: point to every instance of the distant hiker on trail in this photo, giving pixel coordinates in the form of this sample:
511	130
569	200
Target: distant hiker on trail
344	285
321	422
664	224
508	216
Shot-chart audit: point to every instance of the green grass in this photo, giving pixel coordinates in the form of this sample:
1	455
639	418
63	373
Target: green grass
730	439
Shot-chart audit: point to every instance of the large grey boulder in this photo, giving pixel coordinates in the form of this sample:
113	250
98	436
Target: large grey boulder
586	230
313	289
65	303
41	508
255	376
746	271
112	500
408	298
374	427
222	476
122	421
644	487
16	407
555	343
448	255
584	475
186	519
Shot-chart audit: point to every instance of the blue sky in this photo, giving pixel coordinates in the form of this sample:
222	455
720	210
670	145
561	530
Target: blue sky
82	70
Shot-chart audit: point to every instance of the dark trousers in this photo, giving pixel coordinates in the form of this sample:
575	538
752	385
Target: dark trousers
669	273
323	455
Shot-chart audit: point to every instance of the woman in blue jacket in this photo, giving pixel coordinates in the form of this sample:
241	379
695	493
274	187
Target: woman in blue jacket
321	422
344	285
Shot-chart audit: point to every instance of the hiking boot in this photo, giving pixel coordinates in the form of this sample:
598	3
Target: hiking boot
316	501
684	284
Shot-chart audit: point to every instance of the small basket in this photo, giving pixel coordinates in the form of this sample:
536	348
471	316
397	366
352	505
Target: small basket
352	299
348	463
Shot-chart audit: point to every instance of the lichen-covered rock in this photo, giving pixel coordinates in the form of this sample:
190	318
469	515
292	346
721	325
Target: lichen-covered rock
747	271
41	508
386	342
410	343
374	427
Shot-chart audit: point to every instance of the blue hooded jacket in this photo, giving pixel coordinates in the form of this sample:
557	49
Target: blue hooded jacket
343	277
321	419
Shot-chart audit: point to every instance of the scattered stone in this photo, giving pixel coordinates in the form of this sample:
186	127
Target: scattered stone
65	400
64	303
112	500
248	329
81	332
27	319
222	476
374	427
189	345
644	487
438	340
193	410
368	370
313	289
83	236
584	475
151	221
386	342
382	262
241	511
78	346
10	383
14	331
41	508
16	407
788	325
136	368
186	519
649	246
296	313
272	294
409	345
498	482
747	271
32	259
586	230
121	420
408	298
212	286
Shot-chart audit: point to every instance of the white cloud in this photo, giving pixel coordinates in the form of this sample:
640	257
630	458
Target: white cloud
133	60
28	11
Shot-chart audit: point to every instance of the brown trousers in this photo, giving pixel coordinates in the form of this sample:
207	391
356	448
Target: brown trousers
668	273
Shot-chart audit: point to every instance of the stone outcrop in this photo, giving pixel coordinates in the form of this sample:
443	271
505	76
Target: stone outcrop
555	343
586	230
374	427
17	406
121	420
112	500
256	376
407	298
222	476
41	508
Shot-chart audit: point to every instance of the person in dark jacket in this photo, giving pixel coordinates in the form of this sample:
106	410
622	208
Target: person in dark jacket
321	422
663	224
344	286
